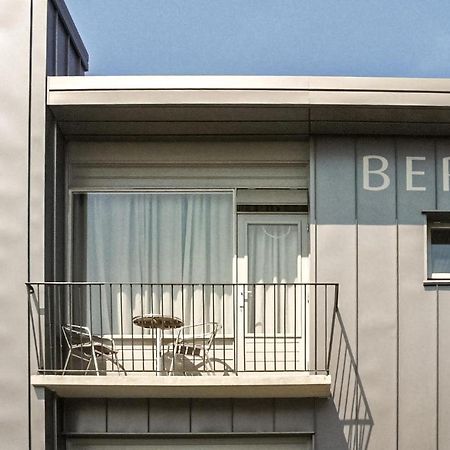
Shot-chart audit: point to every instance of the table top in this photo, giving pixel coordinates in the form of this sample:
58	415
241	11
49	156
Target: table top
158	321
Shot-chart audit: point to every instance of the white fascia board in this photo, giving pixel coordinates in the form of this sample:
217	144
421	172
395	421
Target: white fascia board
237	90
250	83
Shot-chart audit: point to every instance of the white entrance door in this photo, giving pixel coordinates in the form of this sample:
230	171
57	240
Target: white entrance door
272	264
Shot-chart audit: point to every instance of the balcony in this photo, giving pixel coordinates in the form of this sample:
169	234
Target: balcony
183	340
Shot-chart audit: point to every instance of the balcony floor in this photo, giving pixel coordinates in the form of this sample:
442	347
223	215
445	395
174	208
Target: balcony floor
272	385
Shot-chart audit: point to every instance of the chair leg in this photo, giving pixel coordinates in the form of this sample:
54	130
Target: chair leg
67	362
94	357
88	365
120	367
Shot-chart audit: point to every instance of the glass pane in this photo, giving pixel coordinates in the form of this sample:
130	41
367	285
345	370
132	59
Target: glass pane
440	250
153	237
273	254
168	239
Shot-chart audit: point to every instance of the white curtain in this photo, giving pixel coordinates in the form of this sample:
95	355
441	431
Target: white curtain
273	252
150	239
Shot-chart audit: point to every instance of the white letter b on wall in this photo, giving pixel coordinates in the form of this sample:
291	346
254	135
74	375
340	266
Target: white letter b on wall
378	174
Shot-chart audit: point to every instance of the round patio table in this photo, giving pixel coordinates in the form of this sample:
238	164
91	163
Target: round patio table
159	322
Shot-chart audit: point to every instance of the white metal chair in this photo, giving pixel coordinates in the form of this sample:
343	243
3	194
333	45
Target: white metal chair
195	341
83	345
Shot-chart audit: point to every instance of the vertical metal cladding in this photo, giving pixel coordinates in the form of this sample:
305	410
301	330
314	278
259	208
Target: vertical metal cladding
390	370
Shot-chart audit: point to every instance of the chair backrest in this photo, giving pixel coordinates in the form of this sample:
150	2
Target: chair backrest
202	334
76	335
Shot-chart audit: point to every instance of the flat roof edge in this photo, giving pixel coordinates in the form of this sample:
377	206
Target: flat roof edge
234	82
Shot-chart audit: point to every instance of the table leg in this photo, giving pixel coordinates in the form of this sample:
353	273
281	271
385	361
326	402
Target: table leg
158	351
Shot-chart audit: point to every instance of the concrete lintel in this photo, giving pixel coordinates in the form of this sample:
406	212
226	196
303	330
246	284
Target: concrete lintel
135	386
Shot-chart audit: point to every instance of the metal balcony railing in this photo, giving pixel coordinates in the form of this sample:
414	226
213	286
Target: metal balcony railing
181	329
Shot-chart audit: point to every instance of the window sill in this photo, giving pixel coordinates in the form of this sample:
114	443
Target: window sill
436	282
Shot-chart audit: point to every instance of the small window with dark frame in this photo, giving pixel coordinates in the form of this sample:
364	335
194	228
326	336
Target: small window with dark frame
439	248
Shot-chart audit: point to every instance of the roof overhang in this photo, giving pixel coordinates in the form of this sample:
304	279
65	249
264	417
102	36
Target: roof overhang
289	107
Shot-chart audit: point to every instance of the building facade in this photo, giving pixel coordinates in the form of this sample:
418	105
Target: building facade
227	261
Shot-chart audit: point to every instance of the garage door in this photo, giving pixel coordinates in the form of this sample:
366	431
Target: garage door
204	443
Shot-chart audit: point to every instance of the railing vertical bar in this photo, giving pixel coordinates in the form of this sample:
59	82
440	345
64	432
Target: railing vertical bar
142	328
213	296
121	322
172	331
333	319
295	326
244	326
265	327
51	314
90	309
100	288
305	332
274	328
254	323
132	328
223	325
161	349
111	308
60	323
39	308
153	331
285	327
326	326
80	321
203	321
193	320
32	293
71	311
315	328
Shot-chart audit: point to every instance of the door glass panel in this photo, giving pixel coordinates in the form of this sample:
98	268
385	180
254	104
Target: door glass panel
272	253
273	256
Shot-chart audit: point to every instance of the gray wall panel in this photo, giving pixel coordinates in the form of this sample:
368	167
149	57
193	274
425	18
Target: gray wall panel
381	255
377	299
412	203
170	415
443	197
51	39
61	48
211	415
335	234
292	414
417	344
73	60
128	415
335	168
376	207
377	332
85	415
253	415
443	367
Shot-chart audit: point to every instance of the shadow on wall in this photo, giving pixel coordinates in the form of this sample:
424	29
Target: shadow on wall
344	421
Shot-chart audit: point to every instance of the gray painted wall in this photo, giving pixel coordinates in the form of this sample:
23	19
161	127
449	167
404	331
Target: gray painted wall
14	94
391	361
23	46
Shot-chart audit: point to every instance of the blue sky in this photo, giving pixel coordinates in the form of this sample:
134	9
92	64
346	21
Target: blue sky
262	37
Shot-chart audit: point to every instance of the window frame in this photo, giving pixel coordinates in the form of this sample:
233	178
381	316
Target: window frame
435	220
